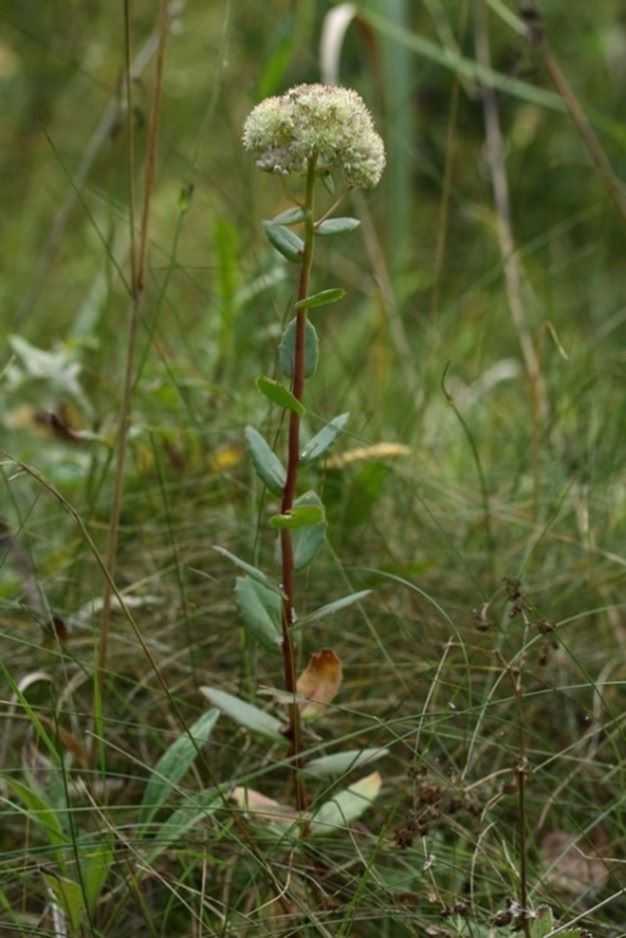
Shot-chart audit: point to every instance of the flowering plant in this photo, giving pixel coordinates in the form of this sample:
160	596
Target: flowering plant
312	131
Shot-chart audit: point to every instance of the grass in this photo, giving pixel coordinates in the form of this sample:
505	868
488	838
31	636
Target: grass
437	669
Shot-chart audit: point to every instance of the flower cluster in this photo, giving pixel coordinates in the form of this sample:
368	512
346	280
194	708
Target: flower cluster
332	122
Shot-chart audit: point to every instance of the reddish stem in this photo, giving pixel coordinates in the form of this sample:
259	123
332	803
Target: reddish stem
289	491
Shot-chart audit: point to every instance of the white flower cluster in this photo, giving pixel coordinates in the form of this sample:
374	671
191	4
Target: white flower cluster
285	132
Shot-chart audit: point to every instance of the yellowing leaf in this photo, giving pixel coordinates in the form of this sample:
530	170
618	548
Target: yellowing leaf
364	453
347	805
319	683
570	868
263	808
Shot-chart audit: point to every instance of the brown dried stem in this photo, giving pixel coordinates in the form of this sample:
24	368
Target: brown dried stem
137	265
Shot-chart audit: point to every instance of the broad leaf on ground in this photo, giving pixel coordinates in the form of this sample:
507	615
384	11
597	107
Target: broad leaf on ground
196	807
174	763
347	805
96	857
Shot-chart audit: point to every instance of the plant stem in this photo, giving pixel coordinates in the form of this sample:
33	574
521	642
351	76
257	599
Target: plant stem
137	266
289	490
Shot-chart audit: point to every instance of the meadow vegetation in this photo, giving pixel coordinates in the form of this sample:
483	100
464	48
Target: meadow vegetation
460	573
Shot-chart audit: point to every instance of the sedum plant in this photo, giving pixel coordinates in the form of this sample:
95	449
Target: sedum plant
319	134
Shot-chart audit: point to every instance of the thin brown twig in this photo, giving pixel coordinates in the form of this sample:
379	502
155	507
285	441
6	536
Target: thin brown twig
444	205
137	261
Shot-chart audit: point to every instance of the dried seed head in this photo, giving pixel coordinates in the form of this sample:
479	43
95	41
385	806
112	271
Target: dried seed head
285	132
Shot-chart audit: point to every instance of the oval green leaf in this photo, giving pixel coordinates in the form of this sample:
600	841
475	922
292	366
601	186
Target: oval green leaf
307	541
342	762
286	349
254	572
291	216
253	719
268	466
69	896
323	298
277	393
334	226
260	609
285	241
323	440
302	516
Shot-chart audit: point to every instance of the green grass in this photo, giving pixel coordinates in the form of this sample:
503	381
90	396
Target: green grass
432	658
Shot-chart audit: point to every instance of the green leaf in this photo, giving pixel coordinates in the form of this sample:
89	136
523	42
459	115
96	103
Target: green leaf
291	216
333	226
40	811
307	541
303	516
323	298
285	241
174	763
96	857
260	609
255	720
342	762
268	466
254	572
277	393
195	808
331	608
286	349
543	924
69	896
323	440
346	806
465	67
